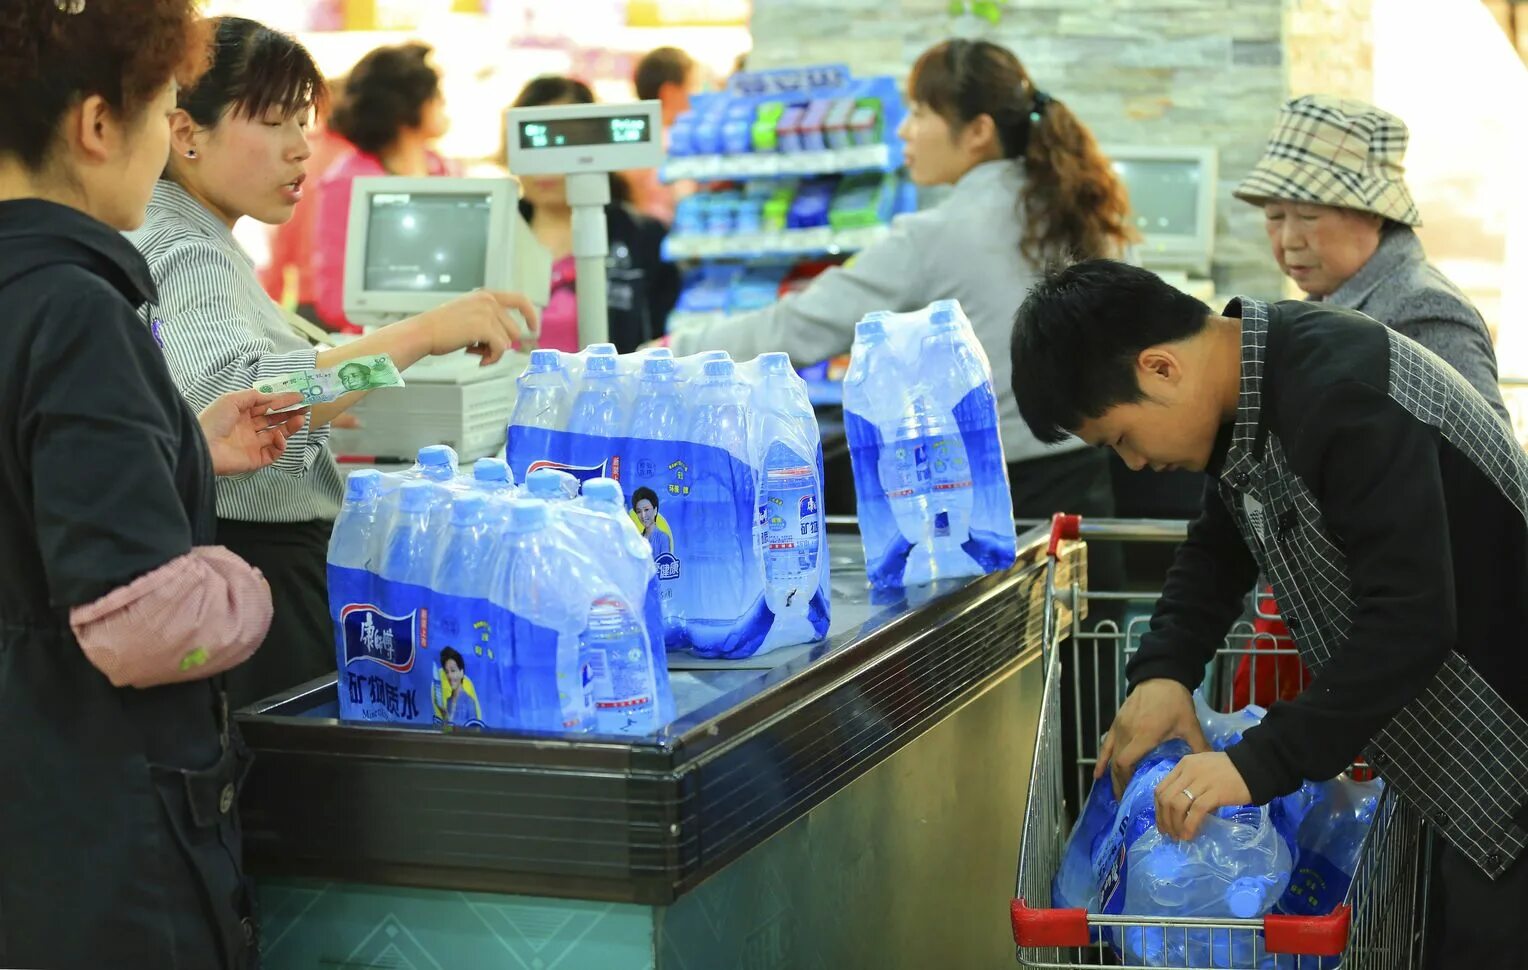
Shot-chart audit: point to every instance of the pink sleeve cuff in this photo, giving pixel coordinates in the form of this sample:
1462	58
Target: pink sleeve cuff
195	616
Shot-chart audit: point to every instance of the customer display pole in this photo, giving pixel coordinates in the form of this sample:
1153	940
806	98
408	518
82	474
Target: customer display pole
588	194
586	142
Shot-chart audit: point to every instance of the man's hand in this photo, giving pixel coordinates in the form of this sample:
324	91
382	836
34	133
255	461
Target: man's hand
1156	711
1199	785
242	435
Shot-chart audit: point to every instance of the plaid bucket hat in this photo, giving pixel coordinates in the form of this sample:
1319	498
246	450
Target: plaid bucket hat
1332	151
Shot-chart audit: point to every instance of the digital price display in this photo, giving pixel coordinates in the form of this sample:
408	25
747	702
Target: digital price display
582	132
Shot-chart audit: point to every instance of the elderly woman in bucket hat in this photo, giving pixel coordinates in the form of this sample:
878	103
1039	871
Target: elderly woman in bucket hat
1340	220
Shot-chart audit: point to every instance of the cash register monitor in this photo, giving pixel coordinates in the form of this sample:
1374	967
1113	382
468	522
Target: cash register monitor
415	243
1172	203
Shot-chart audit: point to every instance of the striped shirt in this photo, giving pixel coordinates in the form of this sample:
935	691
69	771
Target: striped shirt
220	333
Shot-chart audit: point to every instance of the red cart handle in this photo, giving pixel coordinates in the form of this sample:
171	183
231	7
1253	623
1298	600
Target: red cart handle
1319	936
1063	528
1315	936
1048	927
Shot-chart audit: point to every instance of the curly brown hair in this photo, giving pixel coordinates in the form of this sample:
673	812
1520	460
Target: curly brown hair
55	53
384	93
1073	204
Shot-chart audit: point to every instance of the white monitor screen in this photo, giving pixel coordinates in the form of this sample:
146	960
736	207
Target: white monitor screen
1164	194
427	242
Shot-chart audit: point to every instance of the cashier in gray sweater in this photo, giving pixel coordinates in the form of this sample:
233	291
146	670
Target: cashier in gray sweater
1030	186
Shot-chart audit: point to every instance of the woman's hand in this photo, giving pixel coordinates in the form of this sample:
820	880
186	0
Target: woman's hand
480	323
243	436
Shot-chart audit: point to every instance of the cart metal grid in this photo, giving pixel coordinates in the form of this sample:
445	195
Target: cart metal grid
1380	924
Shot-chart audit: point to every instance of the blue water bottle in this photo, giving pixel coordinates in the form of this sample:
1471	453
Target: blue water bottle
790	531
604	498
657	429
720	514
546	616
466	686
354	541
953	372
541	399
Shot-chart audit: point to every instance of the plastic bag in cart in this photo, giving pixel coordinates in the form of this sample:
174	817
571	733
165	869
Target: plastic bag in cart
1237	867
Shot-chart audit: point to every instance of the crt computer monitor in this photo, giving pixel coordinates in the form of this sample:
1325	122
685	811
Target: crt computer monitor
415	243
1172	203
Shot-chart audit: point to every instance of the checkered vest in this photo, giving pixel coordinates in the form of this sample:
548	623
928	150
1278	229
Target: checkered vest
1458	751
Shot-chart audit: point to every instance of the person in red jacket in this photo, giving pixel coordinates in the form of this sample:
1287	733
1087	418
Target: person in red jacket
391	111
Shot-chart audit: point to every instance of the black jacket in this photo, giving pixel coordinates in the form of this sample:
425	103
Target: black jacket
1385	500
641	289
113	848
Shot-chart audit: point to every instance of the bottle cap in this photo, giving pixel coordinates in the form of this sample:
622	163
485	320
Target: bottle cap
718	369
549	483
943	319
600	364
418	496
775	363
1246	898
658	367
664	353
712	355
601	350
468	509
492	470
434	456
527	514
604	490
545	360
363	484
873	327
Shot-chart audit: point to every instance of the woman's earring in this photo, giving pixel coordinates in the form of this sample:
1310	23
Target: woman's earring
191	153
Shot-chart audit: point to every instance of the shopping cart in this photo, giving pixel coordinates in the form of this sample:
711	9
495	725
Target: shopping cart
1380	923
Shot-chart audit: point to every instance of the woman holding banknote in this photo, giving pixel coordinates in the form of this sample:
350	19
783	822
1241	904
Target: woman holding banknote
238	148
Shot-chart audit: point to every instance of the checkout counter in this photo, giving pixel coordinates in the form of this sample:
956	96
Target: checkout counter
851	803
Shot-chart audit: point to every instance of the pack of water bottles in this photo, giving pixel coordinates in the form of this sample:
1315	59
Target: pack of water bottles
929	472
1296	855
464	602
722	468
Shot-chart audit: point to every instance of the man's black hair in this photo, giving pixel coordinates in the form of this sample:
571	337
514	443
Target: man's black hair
448	654
644	493
1077	336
